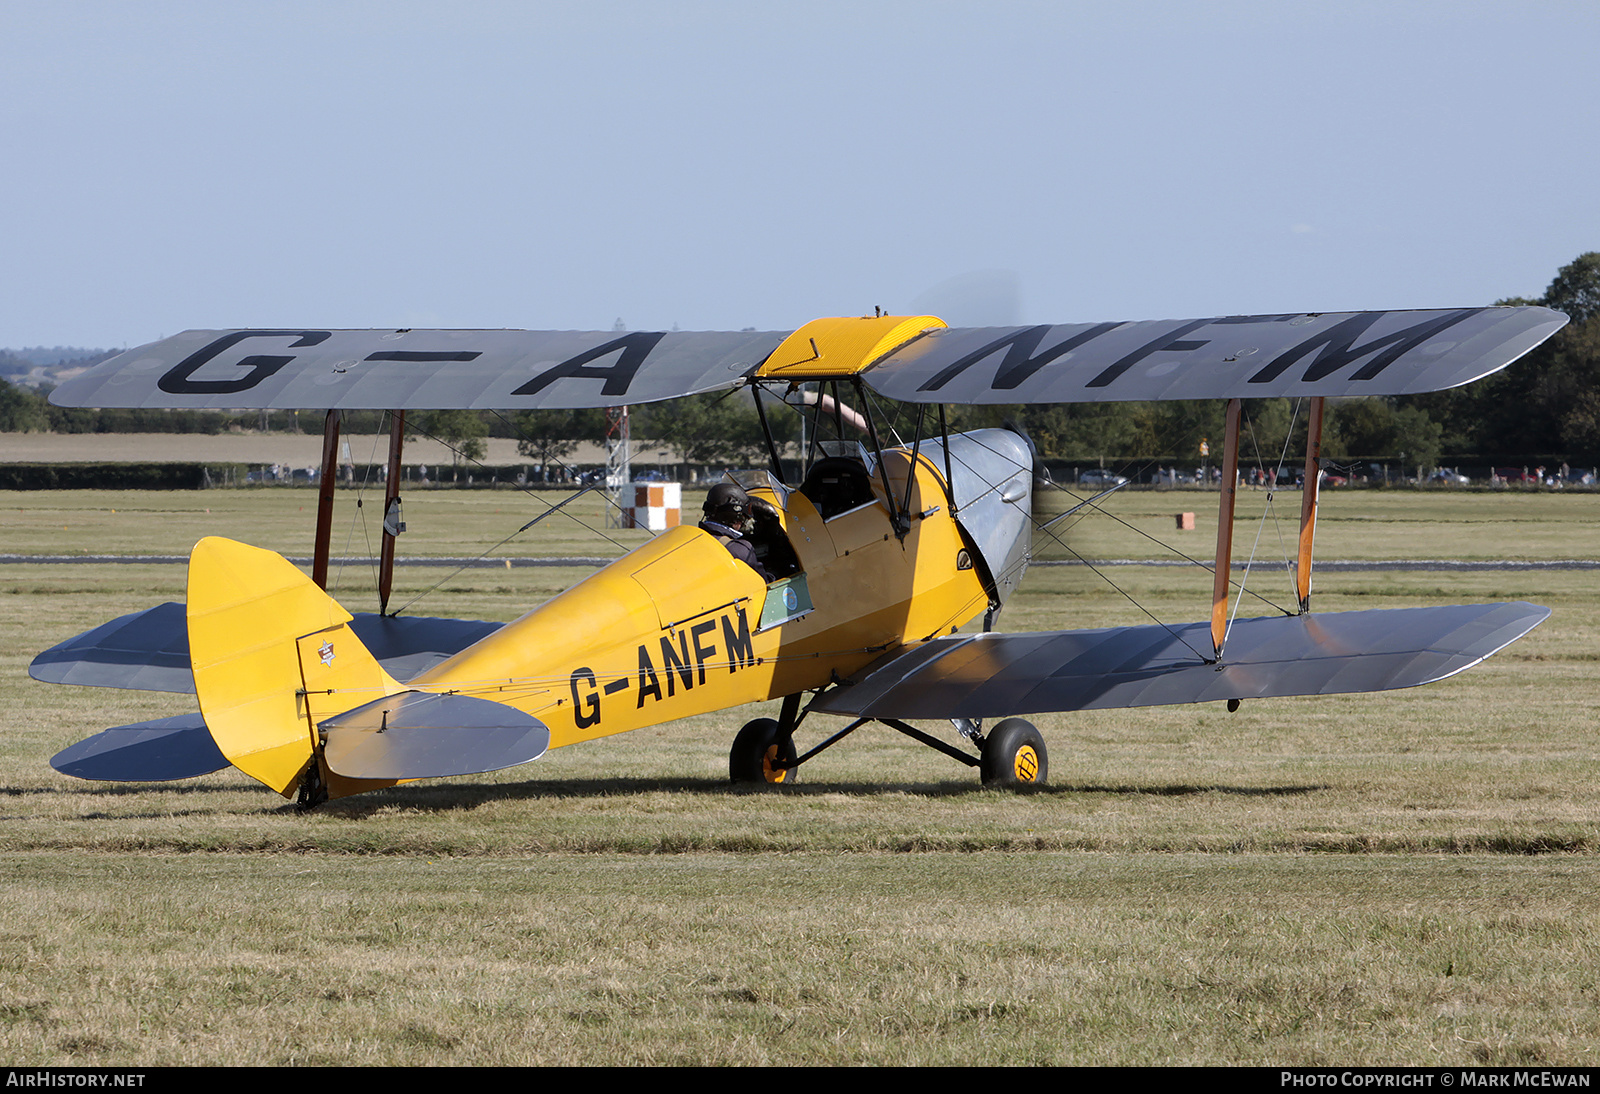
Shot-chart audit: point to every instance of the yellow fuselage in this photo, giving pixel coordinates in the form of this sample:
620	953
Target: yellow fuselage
673	629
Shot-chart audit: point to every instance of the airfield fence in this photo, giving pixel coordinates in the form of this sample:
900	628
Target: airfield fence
183	475
121	476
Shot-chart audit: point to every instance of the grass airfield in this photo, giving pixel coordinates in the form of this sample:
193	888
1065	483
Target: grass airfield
1405	878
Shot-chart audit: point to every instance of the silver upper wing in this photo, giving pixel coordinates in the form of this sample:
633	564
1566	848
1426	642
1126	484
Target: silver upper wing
418	369
1251	356
1245	356
999	675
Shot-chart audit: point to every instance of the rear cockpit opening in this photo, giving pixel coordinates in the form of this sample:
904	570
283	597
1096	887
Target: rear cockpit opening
838	484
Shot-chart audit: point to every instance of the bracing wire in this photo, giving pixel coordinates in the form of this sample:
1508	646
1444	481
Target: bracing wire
1283	455
1107	579
1091	503
553	509
522	487
1267	511
548	510
991	487
1208	567
360	513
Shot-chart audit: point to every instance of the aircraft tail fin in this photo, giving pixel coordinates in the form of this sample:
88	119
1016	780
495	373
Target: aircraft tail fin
273	655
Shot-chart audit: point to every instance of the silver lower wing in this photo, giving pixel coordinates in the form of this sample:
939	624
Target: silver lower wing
149	650
999	675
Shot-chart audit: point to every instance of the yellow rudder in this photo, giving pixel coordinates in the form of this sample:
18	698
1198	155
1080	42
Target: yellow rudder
272	655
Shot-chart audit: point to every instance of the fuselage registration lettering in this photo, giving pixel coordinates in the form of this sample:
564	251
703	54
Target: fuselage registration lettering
686	654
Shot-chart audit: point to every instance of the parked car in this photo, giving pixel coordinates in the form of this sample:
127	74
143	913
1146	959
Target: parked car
1099	476
1448	476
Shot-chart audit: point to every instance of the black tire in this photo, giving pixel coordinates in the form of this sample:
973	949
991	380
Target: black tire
755	750
1014	755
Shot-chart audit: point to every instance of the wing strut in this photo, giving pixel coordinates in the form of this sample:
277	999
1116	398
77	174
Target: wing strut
1308	504
330	473
898	518
766	432
949	477
1229	490
391	509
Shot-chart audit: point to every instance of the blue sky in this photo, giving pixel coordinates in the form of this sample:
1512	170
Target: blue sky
724	165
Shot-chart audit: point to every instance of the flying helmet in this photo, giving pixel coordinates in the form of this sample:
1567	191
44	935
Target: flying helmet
727	503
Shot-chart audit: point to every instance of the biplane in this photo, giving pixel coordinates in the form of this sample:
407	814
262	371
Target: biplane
880	551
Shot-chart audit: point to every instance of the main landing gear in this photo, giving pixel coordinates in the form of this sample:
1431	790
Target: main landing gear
1012	754
762	753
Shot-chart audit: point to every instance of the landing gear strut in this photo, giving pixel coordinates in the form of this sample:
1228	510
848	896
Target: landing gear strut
1010	755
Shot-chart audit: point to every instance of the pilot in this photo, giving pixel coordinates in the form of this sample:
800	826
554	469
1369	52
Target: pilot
727	509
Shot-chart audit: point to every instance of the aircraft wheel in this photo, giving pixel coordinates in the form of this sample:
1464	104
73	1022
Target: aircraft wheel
756	749
1014	755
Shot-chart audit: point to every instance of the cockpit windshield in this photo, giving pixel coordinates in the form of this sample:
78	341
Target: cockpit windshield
759	479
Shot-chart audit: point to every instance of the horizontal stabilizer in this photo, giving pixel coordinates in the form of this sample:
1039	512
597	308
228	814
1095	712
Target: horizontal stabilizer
155	751
419	735
999	675
149	650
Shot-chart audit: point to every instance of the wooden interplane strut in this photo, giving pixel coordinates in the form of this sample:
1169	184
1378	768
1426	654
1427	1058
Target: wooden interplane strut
1228	493
1308	505
330	473
391	509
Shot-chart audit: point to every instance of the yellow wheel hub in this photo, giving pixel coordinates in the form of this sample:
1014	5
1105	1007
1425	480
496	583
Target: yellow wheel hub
769	769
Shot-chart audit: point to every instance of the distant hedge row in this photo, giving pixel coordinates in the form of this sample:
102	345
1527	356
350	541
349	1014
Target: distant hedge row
119	476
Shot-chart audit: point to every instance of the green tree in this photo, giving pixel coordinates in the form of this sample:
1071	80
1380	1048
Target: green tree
1548	403
21	411
1572	383
462	430
719	427
550	435
1378	429
1576	288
